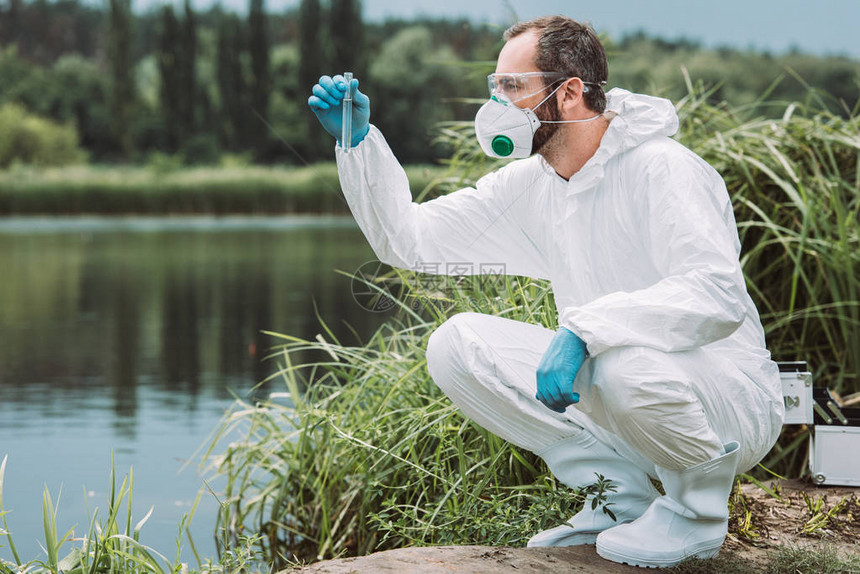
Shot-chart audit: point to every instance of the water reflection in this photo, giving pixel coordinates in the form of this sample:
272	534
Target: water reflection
168	306
154	322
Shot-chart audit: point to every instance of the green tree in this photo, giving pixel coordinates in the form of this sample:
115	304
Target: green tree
122	95
203	147
311	67
74	89
187	74
347	36
149	122
410	79
80	94
231	83
43	31
289	101
261	87
169	64
641	63
10	22
21	81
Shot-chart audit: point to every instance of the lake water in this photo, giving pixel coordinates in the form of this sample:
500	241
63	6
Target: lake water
125	337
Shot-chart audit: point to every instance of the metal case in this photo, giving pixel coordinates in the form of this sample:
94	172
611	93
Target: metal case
796	392
833	455
834	435
834	440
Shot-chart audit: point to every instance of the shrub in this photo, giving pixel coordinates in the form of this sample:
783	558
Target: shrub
34	140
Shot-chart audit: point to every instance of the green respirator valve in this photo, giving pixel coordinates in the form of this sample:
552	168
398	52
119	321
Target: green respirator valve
503	146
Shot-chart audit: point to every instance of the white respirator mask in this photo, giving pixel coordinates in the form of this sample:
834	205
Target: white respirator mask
506	130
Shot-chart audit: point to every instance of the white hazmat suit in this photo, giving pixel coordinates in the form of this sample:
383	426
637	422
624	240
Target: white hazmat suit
642	251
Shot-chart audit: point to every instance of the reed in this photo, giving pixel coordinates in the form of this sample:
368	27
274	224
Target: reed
360	451
111	543
795	184
159	190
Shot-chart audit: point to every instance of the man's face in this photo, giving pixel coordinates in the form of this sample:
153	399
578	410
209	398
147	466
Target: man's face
518	56
548	112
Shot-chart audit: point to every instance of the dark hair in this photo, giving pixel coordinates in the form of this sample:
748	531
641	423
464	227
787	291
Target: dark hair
566	46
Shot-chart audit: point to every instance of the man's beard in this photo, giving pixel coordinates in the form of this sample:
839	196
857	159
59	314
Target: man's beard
548	112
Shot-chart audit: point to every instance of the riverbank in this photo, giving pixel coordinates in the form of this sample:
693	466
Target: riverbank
808	530
812	558
154	190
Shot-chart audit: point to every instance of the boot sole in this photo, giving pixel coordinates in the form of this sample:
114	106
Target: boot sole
707	551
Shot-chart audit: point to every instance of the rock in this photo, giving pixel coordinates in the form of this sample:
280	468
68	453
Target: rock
475	560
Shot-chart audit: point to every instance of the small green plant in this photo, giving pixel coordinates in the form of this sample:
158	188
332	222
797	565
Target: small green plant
598	492
241	557
741	516
820	516
112	545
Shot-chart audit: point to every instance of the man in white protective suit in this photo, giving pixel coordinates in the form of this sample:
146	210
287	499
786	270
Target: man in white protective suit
659	366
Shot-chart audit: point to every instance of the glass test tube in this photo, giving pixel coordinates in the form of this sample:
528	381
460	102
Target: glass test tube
346	135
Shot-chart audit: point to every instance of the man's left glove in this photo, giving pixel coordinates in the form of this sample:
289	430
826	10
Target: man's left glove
558	368
326	102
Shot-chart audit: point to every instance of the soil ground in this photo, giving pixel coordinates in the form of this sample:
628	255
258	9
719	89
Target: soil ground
807	516
775	523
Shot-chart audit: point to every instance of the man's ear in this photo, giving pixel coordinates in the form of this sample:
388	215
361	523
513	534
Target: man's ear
570	94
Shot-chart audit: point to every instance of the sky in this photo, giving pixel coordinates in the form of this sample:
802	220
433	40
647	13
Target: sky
823	27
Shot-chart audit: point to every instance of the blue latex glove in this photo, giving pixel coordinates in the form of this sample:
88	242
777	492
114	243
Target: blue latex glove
558	368
326	104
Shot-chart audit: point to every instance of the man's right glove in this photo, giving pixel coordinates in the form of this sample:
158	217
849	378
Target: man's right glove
558	368
326	104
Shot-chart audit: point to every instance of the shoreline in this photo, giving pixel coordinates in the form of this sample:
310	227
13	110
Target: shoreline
171	221
215	190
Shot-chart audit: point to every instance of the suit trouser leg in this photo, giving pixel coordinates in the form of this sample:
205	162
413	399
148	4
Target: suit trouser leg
486	365
670	409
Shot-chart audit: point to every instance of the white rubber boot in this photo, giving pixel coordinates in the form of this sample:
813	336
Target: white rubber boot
690	521
574	462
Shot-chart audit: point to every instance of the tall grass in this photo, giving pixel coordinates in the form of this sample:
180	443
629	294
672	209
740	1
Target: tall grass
795	184
362	452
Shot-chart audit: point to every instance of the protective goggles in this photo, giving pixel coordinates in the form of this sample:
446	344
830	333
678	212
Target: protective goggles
515	87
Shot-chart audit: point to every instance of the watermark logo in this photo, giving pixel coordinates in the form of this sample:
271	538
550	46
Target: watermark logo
373	287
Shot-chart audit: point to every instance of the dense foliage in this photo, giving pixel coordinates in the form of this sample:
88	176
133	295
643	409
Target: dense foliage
202	83
32	139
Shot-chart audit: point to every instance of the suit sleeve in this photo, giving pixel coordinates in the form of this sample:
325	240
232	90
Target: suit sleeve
465	232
